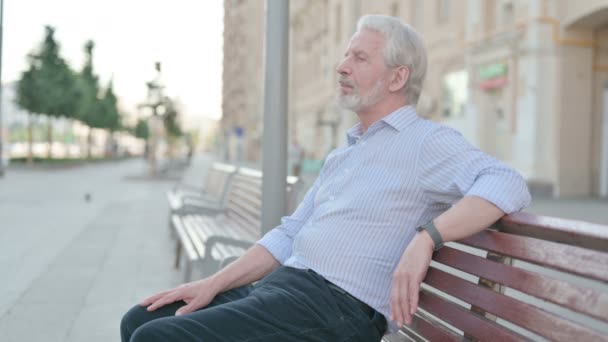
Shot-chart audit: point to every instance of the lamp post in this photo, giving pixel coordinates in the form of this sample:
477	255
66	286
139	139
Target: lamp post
274	142
154	101
1	127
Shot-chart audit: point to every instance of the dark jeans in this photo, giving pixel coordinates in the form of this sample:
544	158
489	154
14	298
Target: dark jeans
287	305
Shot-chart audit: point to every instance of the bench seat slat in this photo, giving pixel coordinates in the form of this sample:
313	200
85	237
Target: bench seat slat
465	320
184	238
203	232
571	259
578	298
226	227
208	227
513	310
190	229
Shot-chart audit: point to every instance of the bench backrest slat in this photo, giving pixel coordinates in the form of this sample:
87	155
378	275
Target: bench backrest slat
577	298
571	232
463	319
243	211
245	193
571	259
515	311
244	198
428	327
218	178
248	199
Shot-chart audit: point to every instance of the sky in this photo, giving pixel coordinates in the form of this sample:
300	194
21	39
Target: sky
184	35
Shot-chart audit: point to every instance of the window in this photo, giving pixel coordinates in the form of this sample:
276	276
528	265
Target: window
395	9
338	26
417	9
443	11
455	94
507	13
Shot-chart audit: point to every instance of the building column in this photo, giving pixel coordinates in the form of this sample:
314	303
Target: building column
575	113
536	138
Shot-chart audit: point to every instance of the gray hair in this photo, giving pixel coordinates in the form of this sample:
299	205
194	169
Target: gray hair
403	46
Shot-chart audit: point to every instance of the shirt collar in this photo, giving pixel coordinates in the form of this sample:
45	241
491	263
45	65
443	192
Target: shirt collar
398	120
401	118
354	134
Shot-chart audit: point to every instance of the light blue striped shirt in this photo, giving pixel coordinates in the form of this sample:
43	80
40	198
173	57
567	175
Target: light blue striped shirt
355	222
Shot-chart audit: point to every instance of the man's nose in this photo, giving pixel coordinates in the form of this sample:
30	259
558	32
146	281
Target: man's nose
343	68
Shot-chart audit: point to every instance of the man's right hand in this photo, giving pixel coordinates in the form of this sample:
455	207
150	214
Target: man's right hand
255	264
196	294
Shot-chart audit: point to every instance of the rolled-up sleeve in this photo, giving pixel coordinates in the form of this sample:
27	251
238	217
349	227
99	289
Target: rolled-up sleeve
279	240
450	168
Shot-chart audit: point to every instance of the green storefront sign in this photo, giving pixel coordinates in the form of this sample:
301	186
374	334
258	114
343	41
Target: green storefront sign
487	72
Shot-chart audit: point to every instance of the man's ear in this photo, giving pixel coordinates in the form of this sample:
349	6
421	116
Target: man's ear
399	79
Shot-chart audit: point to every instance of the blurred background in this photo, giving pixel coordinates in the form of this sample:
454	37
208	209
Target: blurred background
106	105
525	81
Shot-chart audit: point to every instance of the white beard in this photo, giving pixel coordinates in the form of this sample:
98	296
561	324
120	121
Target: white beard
355	102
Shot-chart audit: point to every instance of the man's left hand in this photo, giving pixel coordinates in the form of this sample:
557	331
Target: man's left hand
408	276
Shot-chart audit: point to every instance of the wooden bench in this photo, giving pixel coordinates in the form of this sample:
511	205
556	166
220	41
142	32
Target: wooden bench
209	199
212	241
528	277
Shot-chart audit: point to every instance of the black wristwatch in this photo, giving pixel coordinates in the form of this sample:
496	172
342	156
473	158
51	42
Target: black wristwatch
433	232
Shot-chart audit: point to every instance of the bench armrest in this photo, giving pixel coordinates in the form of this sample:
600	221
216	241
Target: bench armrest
199	199
196	210
217	239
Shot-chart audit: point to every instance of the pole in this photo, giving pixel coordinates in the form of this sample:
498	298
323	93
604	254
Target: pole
1	126
274	154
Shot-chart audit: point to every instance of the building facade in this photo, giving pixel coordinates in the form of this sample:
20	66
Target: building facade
242	79
526	81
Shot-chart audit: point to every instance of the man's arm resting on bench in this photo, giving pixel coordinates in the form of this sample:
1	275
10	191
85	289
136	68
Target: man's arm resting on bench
255	264
468	216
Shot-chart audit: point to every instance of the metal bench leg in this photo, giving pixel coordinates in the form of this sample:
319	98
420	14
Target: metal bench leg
226	261
208	267
188	271
178	253
171	228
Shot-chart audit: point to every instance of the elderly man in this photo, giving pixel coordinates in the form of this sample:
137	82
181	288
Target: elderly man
352	256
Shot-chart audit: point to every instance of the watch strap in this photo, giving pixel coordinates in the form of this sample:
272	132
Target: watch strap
434	233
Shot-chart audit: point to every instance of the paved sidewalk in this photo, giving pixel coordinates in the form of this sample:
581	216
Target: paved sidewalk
586	209
71	268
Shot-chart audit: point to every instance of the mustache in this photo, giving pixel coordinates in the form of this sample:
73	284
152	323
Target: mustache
344	81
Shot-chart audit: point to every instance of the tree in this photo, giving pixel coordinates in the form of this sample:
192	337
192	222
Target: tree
141	129
89	106
110	115
29	96
47	86
57	82
170	118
